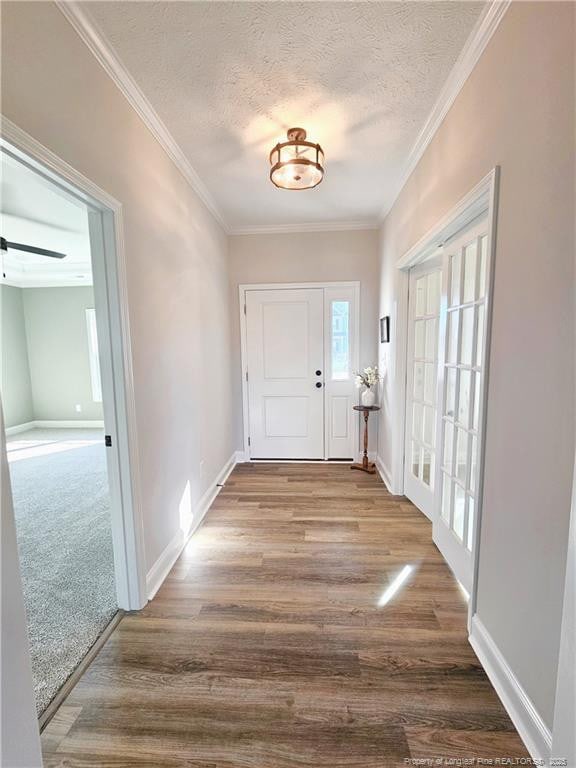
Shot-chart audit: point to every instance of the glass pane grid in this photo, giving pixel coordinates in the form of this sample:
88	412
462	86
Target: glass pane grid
462	387
451	420
470	271
455	279
424	360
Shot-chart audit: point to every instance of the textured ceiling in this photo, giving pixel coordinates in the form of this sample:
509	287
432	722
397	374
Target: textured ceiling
34	211
228	79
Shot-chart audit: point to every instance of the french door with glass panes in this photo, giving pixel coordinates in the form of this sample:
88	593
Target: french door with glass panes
422	384
461	382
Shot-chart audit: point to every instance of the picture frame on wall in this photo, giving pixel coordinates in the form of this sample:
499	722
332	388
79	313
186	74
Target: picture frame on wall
384	329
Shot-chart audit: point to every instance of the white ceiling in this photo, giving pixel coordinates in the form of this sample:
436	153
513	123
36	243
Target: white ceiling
34	211
228	79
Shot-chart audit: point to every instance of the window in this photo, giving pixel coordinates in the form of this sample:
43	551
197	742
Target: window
340	315
93	355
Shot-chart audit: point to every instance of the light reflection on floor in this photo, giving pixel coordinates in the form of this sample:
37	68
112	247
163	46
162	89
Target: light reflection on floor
395	586
30	449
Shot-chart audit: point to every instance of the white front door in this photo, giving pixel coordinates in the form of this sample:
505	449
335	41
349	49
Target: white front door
422	384
285	368
462	384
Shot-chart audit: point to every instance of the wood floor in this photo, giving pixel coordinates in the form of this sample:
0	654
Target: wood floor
267	646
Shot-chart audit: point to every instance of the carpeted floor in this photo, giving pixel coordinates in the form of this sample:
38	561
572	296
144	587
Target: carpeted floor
62	510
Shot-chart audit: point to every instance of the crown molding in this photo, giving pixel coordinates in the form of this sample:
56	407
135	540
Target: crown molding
115	69
312	226
102	50
481	34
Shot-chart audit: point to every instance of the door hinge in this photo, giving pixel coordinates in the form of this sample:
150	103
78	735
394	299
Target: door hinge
244	308
248	441
108	441
246	375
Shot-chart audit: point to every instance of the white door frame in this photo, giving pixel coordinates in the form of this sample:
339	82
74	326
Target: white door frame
110	289
354	284
482	200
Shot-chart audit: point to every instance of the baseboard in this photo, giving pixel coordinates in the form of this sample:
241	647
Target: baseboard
54	424
68	424
20	428
241	457
163	565
532	729
383	472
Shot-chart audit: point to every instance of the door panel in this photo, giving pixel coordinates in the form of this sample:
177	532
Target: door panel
421	400
285	339
285	349
461	383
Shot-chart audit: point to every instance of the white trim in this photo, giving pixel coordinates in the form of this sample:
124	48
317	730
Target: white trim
241	457
563	732
68	424
384	473
103	52
474	47
110	281
298	286
242	288
42	156
17	428
527	721
163	565
311	226
54	424
470	207
492	214
92	334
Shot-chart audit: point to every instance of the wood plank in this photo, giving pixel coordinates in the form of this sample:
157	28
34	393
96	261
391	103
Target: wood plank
266	647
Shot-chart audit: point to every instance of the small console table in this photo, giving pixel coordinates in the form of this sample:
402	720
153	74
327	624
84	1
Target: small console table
365	466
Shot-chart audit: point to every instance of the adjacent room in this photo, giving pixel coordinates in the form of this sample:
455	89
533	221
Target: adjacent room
52	399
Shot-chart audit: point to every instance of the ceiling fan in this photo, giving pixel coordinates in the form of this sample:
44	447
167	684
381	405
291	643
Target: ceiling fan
7	244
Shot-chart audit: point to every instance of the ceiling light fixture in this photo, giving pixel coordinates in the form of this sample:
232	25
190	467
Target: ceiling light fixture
296	163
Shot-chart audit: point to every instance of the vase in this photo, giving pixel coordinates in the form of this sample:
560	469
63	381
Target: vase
368	398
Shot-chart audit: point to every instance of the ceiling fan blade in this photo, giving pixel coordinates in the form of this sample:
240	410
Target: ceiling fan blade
31	249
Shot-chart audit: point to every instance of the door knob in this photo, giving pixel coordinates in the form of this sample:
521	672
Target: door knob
318	373
318	384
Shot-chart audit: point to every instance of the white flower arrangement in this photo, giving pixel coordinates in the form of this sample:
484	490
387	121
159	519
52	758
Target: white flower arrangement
368	378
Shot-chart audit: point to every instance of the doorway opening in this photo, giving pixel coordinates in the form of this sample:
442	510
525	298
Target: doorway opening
68	407
52	400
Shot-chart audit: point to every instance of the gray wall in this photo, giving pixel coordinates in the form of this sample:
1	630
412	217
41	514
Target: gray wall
45	362
176	259
15	379
516	110
58	352
300	258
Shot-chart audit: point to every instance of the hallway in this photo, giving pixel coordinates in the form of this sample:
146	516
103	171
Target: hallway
278	640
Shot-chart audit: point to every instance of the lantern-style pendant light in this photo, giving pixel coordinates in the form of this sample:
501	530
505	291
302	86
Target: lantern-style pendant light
296	163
